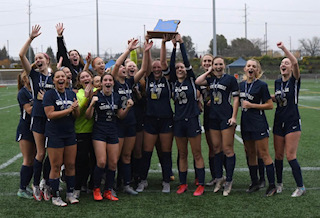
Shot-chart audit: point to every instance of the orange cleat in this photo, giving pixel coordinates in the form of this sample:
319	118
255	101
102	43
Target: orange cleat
97	194
108	195
182	188
199	191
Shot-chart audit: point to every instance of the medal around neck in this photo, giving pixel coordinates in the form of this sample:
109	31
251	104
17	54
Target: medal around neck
164	27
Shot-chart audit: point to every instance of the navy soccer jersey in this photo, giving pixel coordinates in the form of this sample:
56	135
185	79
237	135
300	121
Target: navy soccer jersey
38	82
286	94
24	97
62	127
125	93
158	97
257	92
221	91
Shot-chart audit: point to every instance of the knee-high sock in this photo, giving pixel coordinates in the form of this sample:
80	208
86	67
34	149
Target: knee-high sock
98	172
218	159
254	174
231	163
37	167
166	166
183	177
46	169
279	168
110	174
54	184
296	171
145	164
25	176
261	169
270	173
126	173
201	175
211	165
70	180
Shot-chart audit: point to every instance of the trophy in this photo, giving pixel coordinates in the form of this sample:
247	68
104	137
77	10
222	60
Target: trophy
164	27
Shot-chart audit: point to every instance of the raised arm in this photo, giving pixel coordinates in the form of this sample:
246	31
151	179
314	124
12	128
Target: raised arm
90	109
133	44
183	51
292	58
22	54
163	52
62	50
145	61
89	60
201	80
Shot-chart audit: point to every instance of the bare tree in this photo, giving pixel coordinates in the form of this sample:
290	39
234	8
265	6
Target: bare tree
310	47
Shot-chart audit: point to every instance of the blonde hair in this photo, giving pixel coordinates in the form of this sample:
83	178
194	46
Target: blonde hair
259	72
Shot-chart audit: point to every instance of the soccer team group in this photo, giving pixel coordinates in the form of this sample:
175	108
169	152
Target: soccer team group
96	123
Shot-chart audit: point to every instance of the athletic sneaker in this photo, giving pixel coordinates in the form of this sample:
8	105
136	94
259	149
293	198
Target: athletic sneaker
36	192
142	185
262	183
299	191
199	191
219	183
76	193
24	194
211	183
70	198
227	188
165	187
253	188
182	188
108	195
271	190
129	190
97	194
279	188
46	192
58	202
42	183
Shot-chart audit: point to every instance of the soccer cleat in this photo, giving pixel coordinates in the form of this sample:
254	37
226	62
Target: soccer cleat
279	188
108	195
299	191
165	187
253	188
46	192
58	202
262	183
196	181
24	194
36	192
211	183
142	185
271	190
42	184
70	198
182	188
97	194
76	193
199	191
219	183
129	190
227	188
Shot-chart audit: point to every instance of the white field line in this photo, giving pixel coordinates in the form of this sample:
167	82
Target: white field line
315	108
4	165
1	108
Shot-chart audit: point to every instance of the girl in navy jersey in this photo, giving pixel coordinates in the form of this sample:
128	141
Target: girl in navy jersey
106	106
24	135
127	126
287	127
71	59
186	119
255	98
61	108
222	119
206	63
158	121
40	82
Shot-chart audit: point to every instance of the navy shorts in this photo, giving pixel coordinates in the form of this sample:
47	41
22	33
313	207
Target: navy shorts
57	142
140	125
106	134
25	136
154	125
246	136
206	119
126	130
282	129
217	124
189	127
38	124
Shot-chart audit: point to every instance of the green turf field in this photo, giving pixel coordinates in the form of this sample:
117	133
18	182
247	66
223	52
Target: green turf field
153	203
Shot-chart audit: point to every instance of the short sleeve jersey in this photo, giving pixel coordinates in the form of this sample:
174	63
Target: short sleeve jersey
64	126
286	94
38	82
158	97
125	93
24	97
257	92
222	89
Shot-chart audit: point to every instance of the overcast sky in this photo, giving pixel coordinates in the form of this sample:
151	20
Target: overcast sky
120	20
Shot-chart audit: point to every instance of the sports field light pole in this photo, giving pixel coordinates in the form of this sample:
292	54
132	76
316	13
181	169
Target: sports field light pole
97	27
29	13
214	41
